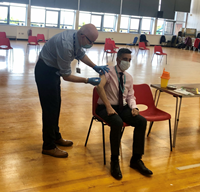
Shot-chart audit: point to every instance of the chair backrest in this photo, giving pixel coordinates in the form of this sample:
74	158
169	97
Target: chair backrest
135	40
2	34
40	37
158	48
32	40
94	101
5	43
107	40
143	95
142	45
108	46
113	43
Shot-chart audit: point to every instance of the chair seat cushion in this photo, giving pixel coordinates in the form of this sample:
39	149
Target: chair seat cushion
155	115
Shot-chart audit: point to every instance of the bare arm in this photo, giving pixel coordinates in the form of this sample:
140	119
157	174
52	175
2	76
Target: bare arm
87	61
75	79
102	95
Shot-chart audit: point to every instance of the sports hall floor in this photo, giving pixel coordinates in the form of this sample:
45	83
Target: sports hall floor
24	169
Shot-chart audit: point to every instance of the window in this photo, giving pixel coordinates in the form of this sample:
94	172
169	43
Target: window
84	18
160	26
37	17
13	14
134	26
96	20
52	17
147	25
165	27
124	24
3	14
109	24
102	21
67	19
180	18
130	24
169	26
17	15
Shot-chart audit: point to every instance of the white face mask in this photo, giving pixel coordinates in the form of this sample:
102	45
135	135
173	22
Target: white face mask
124	65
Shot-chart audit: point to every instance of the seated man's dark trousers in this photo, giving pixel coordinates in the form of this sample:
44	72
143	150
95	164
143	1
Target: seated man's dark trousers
116	123
48	84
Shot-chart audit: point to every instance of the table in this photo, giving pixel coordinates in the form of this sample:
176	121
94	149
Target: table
178	97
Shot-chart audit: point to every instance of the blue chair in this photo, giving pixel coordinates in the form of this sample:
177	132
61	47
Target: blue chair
134	42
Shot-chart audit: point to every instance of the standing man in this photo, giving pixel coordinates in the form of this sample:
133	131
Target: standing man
55	61
117	105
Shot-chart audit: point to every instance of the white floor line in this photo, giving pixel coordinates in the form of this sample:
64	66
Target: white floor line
188	166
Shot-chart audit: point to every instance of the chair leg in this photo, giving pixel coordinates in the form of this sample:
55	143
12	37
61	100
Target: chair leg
152	58
103	136
161	58
170	134
150	126
103	55
106	58
113	56
27	47
89	131
137	52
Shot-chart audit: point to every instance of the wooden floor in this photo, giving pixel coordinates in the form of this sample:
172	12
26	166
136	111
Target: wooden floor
24	169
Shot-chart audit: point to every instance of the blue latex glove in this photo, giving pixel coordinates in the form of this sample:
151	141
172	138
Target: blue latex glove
94	80
101	69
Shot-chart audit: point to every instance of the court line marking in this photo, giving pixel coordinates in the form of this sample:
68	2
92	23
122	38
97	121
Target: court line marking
188	166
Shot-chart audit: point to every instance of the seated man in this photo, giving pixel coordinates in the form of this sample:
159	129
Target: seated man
117	105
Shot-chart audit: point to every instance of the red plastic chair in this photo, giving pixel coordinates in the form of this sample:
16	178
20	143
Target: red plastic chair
158	51
108	48
5	44
99	119
114	46
144	96
41	38
2	34
32	40
108	40
142	47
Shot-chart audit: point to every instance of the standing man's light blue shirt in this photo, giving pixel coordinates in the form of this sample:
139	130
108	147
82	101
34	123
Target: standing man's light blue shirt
59	51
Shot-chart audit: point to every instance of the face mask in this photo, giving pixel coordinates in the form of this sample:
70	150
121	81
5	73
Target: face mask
87	46
124	65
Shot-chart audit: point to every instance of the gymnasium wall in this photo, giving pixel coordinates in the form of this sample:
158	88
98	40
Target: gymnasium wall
20	32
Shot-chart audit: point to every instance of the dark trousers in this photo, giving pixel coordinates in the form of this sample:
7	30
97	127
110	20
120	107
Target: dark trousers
116	123
48	84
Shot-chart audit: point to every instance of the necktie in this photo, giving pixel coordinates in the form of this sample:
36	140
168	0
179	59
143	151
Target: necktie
120	92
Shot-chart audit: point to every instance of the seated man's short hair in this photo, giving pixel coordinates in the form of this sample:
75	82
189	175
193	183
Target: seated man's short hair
123	51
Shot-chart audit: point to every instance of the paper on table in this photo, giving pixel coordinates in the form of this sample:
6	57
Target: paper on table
183	91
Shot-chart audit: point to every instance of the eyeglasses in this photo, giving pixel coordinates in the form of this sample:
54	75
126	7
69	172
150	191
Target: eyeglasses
91	42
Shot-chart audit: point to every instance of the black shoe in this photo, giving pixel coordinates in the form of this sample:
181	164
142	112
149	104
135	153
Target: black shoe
115	170
139	165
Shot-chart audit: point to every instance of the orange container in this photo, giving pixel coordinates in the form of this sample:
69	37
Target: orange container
165	78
